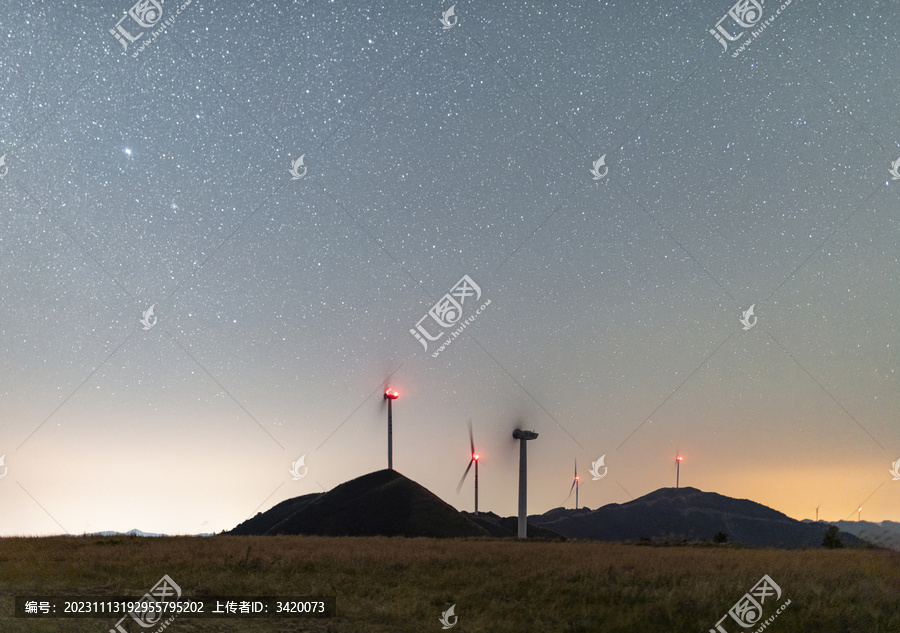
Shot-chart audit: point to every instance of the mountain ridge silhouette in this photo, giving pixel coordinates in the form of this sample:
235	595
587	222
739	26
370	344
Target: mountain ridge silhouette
387	503
671	514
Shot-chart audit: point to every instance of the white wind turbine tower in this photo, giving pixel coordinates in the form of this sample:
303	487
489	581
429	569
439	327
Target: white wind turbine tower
389	396
523	436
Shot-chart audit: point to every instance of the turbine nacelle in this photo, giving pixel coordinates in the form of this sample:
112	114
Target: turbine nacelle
519	434
391	394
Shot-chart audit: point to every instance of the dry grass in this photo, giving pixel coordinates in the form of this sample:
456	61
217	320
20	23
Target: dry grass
397	585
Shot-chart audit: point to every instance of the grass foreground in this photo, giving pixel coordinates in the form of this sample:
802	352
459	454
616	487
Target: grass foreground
498	585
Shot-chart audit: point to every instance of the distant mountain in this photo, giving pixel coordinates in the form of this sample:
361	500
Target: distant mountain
687	513
383	503
134	532
884	534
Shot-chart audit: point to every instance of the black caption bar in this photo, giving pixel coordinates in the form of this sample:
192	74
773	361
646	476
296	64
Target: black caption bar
151	612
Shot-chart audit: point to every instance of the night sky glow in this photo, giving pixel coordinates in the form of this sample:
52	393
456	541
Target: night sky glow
284	294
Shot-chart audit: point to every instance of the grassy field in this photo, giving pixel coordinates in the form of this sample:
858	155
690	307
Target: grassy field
398	585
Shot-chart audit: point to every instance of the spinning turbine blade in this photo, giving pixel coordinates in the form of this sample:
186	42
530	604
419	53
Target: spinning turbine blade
461	481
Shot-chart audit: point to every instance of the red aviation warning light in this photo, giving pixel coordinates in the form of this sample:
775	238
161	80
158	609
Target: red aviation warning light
391	394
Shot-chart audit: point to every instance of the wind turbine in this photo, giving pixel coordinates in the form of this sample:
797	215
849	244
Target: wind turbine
390	395
473	460
575	485
678	459
523	436
817	512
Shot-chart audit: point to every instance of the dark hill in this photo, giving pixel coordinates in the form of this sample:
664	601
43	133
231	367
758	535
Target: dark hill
690	514
383	503
275	515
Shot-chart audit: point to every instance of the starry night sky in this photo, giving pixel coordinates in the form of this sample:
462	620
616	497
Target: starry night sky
283	306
